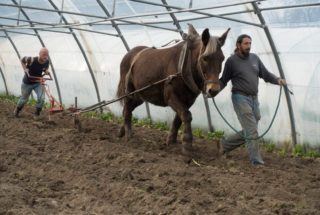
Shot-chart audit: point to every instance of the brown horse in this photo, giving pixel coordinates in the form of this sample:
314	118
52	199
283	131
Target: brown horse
194	66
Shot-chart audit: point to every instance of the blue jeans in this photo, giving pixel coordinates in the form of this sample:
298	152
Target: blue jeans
26	90
248	113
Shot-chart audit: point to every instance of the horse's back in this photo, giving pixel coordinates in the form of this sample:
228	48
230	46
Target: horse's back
152	65
157	62
146	66
128	58
125	67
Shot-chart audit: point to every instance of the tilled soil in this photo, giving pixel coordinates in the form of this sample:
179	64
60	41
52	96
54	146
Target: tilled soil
49	167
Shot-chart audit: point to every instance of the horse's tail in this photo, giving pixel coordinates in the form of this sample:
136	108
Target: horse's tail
125	67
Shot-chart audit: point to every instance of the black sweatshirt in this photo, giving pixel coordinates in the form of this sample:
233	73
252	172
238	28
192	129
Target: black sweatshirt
244	73
35	69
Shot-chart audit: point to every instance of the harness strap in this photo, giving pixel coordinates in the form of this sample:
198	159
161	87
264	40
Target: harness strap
182	57
128	75
104	103
184	67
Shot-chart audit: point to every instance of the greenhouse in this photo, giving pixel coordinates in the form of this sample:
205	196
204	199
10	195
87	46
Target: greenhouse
140	104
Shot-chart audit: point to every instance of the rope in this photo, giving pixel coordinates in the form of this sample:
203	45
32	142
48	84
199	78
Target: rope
264	133
104	103
171	41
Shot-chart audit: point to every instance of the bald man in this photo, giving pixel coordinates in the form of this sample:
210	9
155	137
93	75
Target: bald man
34	68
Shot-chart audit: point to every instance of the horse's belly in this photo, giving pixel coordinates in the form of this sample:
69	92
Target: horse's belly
153	96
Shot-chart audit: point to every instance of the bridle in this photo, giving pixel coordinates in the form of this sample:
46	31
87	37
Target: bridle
204	79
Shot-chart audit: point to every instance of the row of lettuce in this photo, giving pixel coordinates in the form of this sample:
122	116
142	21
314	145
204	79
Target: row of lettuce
299	150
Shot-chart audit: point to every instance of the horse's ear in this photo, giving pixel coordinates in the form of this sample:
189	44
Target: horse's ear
192	32
222	39
205	36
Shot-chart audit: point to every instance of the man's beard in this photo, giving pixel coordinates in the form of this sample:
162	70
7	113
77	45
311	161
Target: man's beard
245	52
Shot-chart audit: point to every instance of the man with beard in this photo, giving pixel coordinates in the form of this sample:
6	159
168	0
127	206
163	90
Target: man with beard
244	70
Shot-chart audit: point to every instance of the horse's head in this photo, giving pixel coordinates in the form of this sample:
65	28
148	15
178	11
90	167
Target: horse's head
210	61
207	56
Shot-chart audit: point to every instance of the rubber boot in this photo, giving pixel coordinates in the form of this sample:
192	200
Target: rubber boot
38	110
37	114
17	111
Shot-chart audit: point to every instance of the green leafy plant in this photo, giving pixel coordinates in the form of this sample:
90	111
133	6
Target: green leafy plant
9	98
215	135
146	122
109	117
198	133
299	150
304	150
282	152
91	114
270	147
313	154
163	126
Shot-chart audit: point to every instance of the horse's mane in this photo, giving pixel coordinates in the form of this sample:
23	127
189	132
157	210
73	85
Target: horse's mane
211	46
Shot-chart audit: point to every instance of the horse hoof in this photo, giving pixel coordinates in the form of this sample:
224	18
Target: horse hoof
121	132
171	139
187	150
127	137
187	159
171	142
219	148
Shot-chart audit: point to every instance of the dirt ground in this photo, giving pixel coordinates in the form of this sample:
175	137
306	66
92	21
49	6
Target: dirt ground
49	167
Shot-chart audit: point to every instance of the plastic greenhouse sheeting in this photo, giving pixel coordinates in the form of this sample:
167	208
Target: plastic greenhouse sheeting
87	43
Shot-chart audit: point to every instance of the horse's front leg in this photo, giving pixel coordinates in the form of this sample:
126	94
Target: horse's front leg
185	116
187	136
172	136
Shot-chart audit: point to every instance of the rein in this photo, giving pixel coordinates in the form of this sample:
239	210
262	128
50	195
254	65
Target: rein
239	132
104	103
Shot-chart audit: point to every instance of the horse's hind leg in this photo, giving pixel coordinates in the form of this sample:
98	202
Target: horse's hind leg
172	137
129	106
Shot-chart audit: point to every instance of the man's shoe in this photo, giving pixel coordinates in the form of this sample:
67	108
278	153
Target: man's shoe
16	112
257	163
36	115
37	112
220	150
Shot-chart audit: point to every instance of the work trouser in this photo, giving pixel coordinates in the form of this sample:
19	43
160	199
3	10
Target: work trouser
26	90
248	113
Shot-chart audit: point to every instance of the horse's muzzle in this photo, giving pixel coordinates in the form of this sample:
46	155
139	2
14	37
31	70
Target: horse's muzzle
211	93
212	89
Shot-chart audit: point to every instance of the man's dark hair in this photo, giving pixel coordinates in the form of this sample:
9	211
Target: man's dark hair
240	39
